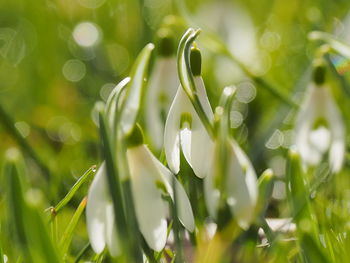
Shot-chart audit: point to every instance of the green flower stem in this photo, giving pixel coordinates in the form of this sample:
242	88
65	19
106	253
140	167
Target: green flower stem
266	183
270	235
335	45
341	78
133	92
222	125
114	183
8	123
136	87
134	233
297	192
176	228
53	225
186	76
112	104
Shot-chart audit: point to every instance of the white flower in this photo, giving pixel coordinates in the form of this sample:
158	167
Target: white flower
319	129
146	172
234	25
240	185
100	216
184	127
161	91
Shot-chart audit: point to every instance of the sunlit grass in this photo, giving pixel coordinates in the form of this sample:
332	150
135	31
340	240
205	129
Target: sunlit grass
68	108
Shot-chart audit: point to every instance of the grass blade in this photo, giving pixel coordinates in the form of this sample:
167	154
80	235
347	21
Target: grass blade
30	229
86	176
312	251
186	76
114	183
68	234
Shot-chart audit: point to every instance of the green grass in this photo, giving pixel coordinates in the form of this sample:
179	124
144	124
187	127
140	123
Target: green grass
54	130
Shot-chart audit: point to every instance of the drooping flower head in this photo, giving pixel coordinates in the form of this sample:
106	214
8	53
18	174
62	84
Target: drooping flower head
149	179
240	184
232	181
235	26
319	127
100	216
162	87
184	128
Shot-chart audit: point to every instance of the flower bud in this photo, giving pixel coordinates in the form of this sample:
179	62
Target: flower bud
319	72
166	43
196	61
135	138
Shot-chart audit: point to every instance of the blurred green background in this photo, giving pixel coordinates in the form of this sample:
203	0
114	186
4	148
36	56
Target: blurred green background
58	57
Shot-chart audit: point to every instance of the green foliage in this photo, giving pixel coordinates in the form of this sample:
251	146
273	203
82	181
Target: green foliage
58	58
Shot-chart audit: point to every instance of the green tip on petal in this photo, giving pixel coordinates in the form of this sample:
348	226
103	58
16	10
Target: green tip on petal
293	154
135	138
319	72
166	43
186	120
196	61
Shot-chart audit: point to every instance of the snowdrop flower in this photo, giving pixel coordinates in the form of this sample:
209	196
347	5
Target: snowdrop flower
319	127
148	177
234	25
184	127
100	216
161	90
147	174
241	185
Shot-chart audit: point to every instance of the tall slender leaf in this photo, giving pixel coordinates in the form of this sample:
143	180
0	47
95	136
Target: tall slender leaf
131	105
86	176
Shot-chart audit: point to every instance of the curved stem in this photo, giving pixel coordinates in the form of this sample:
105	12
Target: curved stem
187	79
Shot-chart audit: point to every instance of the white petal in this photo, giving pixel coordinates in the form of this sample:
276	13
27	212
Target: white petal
312	144
185	141
203	98
192	143
149	206
111	105
312	109
337	128
134	92
201	143
161	91
303	127
185	213
111	231
320	139
172	130
284	225
235	26
96	210
336	155
201	148
242	186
